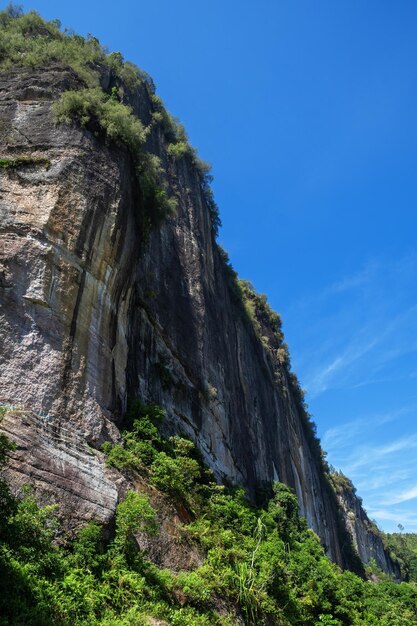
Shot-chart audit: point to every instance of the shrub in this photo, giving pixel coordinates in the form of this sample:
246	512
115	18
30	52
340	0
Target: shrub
91	107
135	514
178	150
174	474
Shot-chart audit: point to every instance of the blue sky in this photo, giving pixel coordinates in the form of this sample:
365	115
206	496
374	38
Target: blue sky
307	111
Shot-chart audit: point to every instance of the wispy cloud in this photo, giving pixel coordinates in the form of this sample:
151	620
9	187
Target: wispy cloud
354	347
409	494
357	280
379	480
368	455
322	379
343	434
366	322
408	520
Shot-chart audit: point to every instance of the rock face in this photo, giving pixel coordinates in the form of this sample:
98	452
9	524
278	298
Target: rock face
365	535
61	468
94	312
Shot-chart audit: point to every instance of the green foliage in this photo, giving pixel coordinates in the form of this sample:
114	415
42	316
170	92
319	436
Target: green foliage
29	41
268	327
402	548
265	320
19	161
205	181
178	148
168	463
89	547
262	562
342	483
93	106
106	116
135	515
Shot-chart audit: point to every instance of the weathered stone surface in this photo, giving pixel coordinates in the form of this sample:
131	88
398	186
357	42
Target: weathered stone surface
91	313
365	535
61	468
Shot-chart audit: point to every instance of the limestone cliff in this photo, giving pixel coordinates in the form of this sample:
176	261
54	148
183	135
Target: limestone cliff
95	311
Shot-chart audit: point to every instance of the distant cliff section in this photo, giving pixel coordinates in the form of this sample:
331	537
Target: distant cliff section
112	287
365	534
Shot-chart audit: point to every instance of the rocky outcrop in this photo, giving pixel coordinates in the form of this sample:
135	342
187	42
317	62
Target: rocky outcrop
93	311
364	532
61	469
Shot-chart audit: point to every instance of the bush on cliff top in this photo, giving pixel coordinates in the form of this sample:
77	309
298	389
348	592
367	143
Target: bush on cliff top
29	41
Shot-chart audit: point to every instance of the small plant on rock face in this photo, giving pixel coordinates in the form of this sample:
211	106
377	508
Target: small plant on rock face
20	161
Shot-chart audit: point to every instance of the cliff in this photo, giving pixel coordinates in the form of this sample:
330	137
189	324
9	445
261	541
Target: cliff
97	308
365	534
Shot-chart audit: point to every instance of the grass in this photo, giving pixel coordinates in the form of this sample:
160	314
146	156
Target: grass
20	161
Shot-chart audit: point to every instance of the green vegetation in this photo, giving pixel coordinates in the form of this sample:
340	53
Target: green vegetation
114	120
171	464
29	41
262	562
178	148
106	116
263	318
340	482
403	548
19	161
267	325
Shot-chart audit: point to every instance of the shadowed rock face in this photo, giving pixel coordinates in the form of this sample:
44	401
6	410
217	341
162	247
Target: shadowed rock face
364	533
92	312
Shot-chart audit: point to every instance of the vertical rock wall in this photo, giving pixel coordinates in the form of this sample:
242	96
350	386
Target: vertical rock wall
92	312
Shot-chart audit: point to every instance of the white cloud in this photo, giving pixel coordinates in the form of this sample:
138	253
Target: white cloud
368	456
408	520
382	478
322	379
357	332
409	494
341	436
362	324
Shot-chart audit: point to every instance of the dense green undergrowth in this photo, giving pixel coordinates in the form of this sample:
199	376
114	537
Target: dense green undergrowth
403	547
263	563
